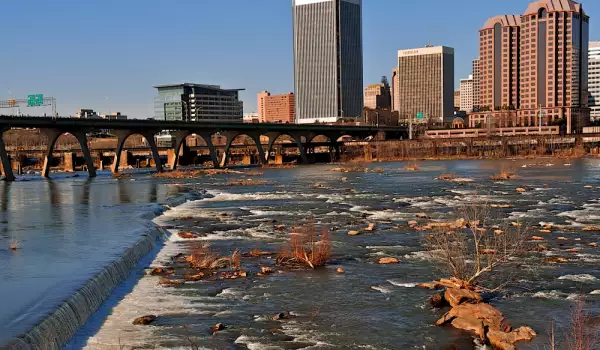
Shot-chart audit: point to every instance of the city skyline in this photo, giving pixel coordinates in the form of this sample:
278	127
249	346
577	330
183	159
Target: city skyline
113	67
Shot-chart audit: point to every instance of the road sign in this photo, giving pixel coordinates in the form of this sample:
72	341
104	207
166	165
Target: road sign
35	100
420	115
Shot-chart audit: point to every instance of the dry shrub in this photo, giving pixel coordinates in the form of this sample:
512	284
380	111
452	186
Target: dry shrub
504	174
14	244
447	177
583	332
203	258
478	250
411	167
246	182
236	259
306	247
177	174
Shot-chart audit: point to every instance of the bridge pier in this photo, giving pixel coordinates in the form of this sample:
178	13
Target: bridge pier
207	137
122	136
254	136
152	143
5	159
52	135
179	140
89	162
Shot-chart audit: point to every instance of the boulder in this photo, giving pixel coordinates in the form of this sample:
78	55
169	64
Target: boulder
412	223
470	324
265	270
429	285
488	315
281	316
193	278
438	300
456	296
537	238
353	233
506	341
593	244
371	227
385	261
544	231
562	238
169	282
159	271
421	215
187	235
340	270
217	327
557	260
144	320
453	282
521	190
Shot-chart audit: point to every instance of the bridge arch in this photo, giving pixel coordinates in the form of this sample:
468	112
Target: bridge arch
148	136
52	136
180	139
232	136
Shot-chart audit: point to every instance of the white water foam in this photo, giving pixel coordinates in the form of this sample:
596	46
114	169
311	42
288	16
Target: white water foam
403	284
382	289
583	278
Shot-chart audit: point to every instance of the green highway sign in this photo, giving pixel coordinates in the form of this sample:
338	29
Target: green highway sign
35	100
420	115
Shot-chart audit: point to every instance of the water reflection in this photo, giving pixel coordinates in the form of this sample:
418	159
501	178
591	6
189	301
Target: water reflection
123	192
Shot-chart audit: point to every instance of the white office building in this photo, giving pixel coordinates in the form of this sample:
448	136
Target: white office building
594	80
466	94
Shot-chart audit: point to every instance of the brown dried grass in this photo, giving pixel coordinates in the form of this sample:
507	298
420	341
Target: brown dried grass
306	248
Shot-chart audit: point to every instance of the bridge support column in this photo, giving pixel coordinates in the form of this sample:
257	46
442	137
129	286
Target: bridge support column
301	149
89	162
272	137
230	137
122	135
179	140
262	158
152	143
52	135
207	137
6	166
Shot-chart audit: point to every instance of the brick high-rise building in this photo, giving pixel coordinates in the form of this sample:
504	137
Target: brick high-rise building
276	108
426	83
328	59
499	62
554	64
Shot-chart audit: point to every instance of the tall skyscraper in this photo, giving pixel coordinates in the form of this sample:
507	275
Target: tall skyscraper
328	63
594	80
426	83
499	55
395	90
476	84
466	94
554	64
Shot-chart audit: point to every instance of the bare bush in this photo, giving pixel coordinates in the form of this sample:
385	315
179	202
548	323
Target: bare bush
504	174
306	247
203	258
477	249
583	331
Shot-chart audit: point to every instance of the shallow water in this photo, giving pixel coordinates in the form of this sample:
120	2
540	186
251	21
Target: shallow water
371	306
68	230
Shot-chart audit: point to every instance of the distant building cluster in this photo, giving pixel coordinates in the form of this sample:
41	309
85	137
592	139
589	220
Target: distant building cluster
91	114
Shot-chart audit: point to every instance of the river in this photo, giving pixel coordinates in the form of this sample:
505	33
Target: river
70	228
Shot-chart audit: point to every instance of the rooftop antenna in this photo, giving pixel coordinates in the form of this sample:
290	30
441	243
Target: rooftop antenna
428	44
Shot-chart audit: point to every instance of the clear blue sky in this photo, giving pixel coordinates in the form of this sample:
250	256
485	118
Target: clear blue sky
107	54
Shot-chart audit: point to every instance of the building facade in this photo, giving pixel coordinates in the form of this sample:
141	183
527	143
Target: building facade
377	96
594	80
328	61
499	58
198	103
466	94
457	99
276	108
476	84
426	83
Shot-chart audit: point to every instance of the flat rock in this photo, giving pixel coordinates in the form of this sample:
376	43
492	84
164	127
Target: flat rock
385	261
144	320
507	340
456	296
521	190
353	233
